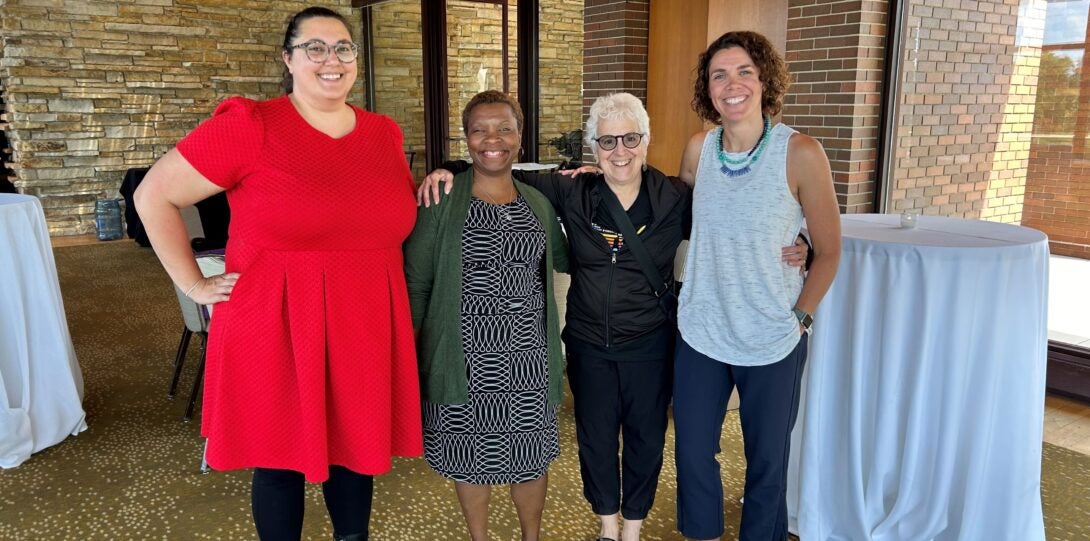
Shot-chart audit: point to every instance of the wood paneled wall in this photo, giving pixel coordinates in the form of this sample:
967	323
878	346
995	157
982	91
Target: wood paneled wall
679	31
768	17
677	34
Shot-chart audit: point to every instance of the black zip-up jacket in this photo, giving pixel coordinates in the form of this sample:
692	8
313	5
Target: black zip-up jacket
610	301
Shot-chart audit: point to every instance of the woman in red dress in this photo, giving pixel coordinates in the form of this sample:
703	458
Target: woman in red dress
311	370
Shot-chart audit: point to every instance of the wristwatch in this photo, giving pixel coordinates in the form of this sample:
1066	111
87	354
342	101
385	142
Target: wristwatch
806	320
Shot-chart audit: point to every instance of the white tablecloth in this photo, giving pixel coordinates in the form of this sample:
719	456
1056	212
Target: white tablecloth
923	402
41	387
534	167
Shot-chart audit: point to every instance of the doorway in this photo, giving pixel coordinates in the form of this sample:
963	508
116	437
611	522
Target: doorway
423	60
6	175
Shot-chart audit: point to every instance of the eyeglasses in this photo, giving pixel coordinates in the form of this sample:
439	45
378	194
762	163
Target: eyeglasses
318	50
609	142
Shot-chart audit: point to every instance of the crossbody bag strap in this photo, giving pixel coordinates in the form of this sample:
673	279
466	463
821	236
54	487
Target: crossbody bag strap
621	220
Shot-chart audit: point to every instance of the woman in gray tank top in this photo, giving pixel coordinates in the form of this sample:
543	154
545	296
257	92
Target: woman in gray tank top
743	313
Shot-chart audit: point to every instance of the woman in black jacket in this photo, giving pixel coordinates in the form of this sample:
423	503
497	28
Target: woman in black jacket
619	340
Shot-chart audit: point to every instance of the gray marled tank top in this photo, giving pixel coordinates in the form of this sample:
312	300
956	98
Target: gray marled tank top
735	306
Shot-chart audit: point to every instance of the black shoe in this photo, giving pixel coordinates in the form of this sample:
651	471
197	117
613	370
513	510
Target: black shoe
352	537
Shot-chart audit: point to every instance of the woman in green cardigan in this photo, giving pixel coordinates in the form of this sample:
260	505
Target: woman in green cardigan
479	273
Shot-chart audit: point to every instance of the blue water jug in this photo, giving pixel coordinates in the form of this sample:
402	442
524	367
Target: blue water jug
108	219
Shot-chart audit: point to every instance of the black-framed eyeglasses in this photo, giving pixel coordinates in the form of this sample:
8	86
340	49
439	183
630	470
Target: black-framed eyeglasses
318	50
609	142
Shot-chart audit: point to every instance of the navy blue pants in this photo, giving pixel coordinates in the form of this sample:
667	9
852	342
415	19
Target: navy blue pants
769	404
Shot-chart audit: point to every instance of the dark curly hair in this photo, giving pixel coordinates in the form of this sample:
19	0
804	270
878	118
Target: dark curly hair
773	73
488	97
292	32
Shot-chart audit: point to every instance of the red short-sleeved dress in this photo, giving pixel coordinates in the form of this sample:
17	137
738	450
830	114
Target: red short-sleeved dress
311	362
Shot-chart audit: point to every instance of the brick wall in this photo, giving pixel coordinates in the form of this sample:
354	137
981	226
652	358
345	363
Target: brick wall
614	50
96	87
1058	198
967	108
835	55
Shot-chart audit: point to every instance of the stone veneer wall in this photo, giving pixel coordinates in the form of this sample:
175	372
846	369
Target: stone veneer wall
475	58
6	174
835	55
614	51
399	72
560	69
96	87
475	34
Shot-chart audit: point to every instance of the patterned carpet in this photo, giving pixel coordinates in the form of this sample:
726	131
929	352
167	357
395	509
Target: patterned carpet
134	473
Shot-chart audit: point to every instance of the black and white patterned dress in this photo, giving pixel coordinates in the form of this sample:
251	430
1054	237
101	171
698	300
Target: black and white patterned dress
507	433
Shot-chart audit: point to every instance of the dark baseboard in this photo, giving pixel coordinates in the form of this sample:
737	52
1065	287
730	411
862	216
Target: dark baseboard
1068	371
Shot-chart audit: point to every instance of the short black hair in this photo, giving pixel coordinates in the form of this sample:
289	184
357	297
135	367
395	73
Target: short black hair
487	97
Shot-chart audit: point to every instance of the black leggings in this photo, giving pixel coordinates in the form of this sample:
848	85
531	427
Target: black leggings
277	503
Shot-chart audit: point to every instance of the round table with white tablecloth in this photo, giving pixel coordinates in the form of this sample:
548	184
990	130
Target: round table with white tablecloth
41	387
923	403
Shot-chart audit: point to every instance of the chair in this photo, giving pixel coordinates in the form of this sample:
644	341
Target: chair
196	322
196	318
133	226
410	155
212	216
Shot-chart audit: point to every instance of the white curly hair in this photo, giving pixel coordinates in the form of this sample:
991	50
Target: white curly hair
613	107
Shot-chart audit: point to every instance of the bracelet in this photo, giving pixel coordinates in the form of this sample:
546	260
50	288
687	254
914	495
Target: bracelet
192	287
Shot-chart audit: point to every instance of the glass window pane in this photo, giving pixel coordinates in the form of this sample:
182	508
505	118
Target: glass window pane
475	59
995	124
560	70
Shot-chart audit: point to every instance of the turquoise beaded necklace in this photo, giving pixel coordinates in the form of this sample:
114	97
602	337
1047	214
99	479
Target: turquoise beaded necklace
746	162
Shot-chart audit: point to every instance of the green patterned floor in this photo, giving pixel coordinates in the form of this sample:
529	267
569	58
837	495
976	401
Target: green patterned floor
134	473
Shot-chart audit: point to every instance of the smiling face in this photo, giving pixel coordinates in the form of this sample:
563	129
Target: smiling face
493	137
330	80
622	165
734	85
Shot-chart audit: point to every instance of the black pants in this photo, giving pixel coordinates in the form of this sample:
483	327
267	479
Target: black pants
627	398
277	502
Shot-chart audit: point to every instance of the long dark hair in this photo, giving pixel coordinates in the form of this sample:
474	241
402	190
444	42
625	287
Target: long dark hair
292	32
773	72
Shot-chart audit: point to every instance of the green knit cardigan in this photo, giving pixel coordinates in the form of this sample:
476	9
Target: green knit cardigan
433	274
